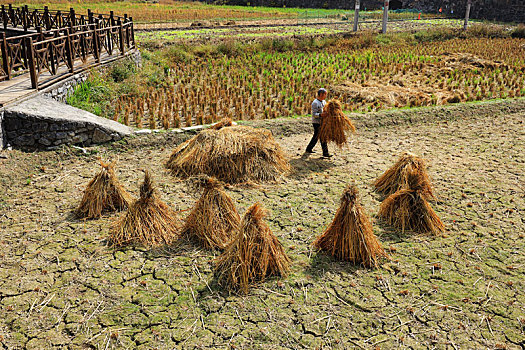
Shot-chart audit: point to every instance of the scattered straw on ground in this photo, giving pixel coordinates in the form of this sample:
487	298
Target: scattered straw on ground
232	154
421	88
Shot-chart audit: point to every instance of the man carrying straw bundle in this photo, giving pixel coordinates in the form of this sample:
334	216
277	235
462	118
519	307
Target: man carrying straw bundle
317	114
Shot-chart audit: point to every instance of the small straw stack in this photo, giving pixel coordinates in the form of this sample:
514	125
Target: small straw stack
395	178
148	221
335	124
103	194
213	219
350	236
254	254
408	209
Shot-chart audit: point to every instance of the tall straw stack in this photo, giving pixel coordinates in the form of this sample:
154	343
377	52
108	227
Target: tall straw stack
395	178
335	125
233	154
350	236
103	194
408	209
148	221
214	219
254	254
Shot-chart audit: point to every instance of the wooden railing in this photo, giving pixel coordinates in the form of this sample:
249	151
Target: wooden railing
27	18
70	38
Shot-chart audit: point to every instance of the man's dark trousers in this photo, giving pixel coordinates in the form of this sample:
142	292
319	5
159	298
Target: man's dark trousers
314	140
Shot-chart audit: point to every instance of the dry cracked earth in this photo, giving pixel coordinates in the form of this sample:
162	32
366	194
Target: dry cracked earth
61	286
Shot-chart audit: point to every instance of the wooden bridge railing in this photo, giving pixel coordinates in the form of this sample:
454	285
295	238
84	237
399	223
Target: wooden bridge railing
27	18
49	50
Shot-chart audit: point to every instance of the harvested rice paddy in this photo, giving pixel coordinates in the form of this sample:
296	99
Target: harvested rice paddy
61	284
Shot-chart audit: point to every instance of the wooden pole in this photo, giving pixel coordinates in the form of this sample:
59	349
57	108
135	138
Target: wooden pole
5	56
356	15
31	63
5	17
385	16
72	17
25	12
96	42
69	53
121	37
47	18
467	14
132	31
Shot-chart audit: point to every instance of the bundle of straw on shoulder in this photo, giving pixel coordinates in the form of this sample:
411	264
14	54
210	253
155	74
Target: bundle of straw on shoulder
350	236
148	221
408	209
103	194
335	125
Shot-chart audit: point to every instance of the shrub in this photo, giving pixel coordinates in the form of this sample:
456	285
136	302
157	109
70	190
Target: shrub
122	71
177	54
519	32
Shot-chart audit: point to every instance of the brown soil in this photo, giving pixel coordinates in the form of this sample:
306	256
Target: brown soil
61	286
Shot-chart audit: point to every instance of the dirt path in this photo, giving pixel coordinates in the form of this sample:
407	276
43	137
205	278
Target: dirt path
60	284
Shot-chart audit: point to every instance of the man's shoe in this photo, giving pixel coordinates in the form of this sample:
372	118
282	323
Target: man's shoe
310	151
327	156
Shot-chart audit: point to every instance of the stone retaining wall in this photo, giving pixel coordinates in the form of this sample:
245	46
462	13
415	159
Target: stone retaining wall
43	123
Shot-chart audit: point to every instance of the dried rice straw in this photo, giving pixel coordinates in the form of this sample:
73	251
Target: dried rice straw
233	154
213	219
254	254
395	178
148	221
335	124
350	236
408	209
103	194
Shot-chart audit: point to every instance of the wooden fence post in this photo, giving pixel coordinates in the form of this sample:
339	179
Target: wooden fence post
72	17
5	57
69	53
59	19
356	15
467	14
96	42
11	15
47	18
385	16
30	51
132	31
121	37
24	18
5	17
90	17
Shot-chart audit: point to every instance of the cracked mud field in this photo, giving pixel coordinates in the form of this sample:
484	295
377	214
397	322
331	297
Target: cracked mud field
61	286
